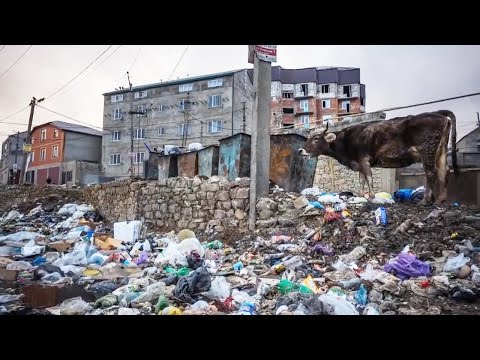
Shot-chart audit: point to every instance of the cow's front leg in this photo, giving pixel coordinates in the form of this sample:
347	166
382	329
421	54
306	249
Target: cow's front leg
367	173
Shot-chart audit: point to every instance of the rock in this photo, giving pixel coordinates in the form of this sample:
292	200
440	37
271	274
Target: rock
463	272
266	223
300	202
266	204
285	222
265	214
240	214
375	296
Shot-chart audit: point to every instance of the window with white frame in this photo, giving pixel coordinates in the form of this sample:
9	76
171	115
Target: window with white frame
184	104
287	94
326	104
43	153
33	156
140	109
117	114
215	83
185	87
140	94
304	105
139	133
327	119
43	135
214	127
162	107
325	89
181	129
55	133
214	101
346	106
139	157
347	90
115	159
305	121
116	136
162	131
55	151
117	98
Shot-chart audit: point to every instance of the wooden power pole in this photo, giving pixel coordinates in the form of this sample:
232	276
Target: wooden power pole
263	55
28	143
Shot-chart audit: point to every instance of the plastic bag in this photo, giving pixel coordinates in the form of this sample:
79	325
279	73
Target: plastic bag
31	249
73	306
12	215
171	255
97	258
67	209
197	282
313	191
455	263
9	298
53	278
335	305
361	295
152	292
405	266
329	199
370	274
20	266
219	289
20	236
76	257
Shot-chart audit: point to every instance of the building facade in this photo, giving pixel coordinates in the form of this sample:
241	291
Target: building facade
201	109
55	145
12	162
313	96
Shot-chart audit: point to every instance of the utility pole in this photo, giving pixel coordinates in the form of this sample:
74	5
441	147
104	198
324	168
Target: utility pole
187	120
28	143
15	165
478	118
244	127
260	140
131	121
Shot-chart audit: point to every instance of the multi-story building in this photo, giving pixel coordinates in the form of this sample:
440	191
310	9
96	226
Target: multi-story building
12	162
202	109
311	96
64	152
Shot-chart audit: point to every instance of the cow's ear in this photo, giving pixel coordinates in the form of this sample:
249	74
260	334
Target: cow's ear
330	137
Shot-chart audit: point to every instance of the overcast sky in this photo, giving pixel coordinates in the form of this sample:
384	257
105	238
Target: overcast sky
393	75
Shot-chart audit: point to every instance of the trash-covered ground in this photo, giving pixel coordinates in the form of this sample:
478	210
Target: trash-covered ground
312	254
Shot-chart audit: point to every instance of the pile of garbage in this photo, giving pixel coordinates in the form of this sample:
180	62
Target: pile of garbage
325	254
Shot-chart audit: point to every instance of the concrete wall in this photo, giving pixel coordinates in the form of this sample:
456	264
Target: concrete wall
80	170
82	147
174	203
9	150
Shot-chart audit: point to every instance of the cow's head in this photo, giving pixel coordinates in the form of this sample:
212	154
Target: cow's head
318	143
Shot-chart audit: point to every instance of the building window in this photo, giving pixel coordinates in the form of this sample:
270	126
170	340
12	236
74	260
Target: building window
162	131
327	119
55	151
288	110
303	89
116	136
325	89
326	104
214	127
287	94
185	87
117	114
55	133
117	98
139	157
68	176
139	133
43	153
162	107
33	156
215	83
346	106
184	105
362	102
347	90
43	135
140	109
181	127
214	101
304	105
115	159
141	94
305	121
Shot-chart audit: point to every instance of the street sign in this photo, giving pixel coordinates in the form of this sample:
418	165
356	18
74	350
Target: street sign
15	166
264	52
27	148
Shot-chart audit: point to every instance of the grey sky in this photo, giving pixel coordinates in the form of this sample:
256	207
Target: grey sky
393	75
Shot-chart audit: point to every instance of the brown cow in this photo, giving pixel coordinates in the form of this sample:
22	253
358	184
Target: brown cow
393	143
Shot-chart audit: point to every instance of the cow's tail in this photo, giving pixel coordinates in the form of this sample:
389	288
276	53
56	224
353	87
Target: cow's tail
452	117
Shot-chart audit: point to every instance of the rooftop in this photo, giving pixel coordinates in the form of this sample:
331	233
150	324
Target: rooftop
72	127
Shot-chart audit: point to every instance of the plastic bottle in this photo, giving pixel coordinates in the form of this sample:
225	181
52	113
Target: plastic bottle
381	216
162	303
292	263
215	244
247	308
350	284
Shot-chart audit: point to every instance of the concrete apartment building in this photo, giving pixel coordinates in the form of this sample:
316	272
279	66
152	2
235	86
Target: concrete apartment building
310	96
11	164
204	109
65	153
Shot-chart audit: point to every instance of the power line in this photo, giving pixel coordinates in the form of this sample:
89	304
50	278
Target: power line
106	58
16	61
80	73
178	63
3	47
68	117
135	60
15	113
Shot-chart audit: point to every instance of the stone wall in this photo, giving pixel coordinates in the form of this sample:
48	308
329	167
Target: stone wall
175	203
330	175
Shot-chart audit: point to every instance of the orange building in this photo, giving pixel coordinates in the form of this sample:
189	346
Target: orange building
57	143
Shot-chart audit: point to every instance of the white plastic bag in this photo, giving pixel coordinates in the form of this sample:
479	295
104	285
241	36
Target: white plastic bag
12	215
20	236
67	209
31	249
455	263
329	199
335	305
370	274
20	266
73	306
313	191
219	289
187	246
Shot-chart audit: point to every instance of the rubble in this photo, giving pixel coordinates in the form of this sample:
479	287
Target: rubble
313	253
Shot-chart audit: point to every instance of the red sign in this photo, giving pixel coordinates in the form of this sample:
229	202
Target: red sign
264	52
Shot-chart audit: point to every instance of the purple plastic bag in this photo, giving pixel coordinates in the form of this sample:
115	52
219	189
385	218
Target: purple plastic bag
405	266
323	249
141	258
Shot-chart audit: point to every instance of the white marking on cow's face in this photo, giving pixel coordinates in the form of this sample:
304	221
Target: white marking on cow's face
303	152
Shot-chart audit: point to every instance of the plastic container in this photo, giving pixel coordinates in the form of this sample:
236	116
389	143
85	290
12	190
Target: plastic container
381	217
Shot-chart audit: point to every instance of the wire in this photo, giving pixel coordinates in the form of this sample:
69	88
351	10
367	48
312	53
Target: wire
80	73
178	63
16	61
91	72
3	47
136	57
15	113
68	117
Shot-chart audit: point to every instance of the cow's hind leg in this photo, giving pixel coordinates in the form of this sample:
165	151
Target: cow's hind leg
430	176
366	170
442	168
